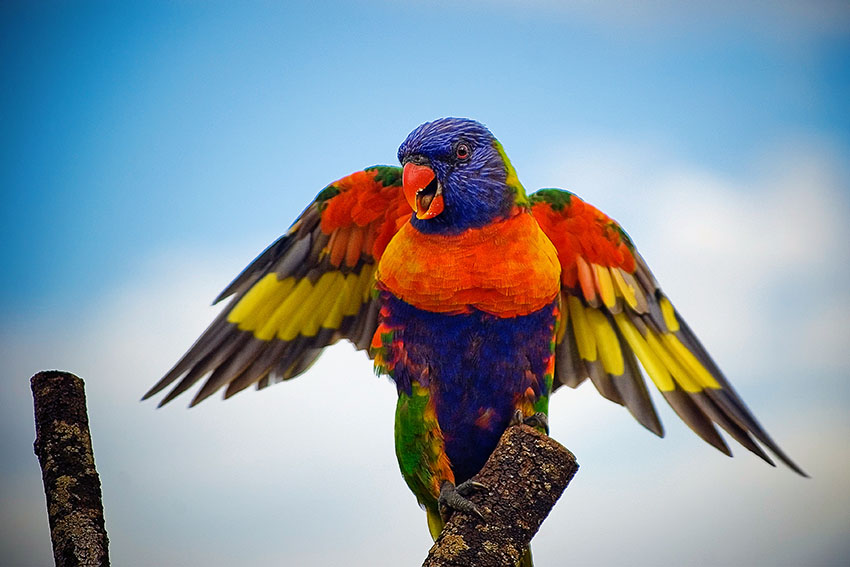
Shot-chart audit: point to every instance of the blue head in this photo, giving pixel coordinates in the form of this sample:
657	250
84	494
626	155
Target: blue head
457	176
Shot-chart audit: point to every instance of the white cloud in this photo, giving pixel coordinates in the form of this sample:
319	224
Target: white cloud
304	472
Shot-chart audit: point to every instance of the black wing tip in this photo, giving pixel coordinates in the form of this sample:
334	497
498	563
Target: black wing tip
157	388
782	457
792	465
780	454
737	410
169	397
723	448
231	391
234	285
196	400
652	425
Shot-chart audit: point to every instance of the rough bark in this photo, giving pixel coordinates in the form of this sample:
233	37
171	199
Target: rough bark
71	483
525	476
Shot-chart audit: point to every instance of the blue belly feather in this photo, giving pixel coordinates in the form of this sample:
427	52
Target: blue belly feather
476	366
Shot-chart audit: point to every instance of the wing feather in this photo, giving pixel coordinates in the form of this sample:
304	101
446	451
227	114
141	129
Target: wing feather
308	289
615	314
569	368
634	393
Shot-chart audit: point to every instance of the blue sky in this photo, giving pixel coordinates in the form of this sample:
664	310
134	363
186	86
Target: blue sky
150	151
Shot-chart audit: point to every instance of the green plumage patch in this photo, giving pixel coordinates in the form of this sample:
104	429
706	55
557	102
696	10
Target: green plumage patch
327	193
386	175
511	179
415	451
555	198
410	428
542	403
625	236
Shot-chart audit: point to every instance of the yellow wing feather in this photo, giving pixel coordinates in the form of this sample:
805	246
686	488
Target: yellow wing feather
605	286
585	338
607	345
658	373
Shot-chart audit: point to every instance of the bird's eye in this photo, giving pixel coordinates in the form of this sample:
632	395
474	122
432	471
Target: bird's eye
462	151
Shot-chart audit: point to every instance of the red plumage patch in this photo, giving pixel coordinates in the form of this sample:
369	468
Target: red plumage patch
579	229
366	213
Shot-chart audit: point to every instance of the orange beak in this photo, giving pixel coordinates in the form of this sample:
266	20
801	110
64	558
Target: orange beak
422	191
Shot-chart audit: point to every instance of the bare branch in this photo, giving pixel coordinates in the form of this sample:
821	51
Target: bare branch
71	484
525	476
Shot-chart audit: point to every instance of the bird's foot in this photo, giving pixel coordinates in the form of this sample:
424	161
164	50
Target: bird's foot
539	420
453	499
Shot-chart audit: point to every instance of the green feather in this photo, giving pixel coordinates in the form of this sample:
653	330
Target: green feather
558	199
386	175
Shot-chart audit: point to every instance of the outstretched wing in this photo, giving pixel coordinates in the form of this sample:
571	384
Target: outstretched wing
614	314
307	290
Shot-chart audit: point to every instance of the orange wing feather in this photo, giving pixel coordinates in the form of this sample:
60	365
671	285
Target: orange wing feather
583	234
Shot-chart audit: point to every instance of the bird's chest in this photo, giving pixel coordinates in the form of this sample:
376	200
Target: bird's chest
506	269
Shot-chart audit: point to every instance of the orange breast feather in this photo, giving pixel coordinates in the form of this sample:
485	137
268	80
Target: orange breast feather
507	269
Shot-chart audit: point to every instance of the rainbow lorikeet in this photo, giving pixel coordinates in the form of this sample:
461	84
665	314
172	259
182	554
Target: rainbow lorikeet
478	303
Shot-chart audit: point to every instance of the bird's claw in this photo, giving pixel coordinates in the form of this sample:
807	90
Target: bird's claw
470	486
538	420
453	499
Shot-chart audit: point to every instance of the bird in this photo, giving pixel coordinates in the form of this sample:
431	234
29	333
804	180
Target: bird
477	299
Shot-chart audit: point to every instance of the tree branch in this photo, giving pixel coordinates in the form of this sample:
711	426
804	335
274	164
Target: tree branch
71	483
525	476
